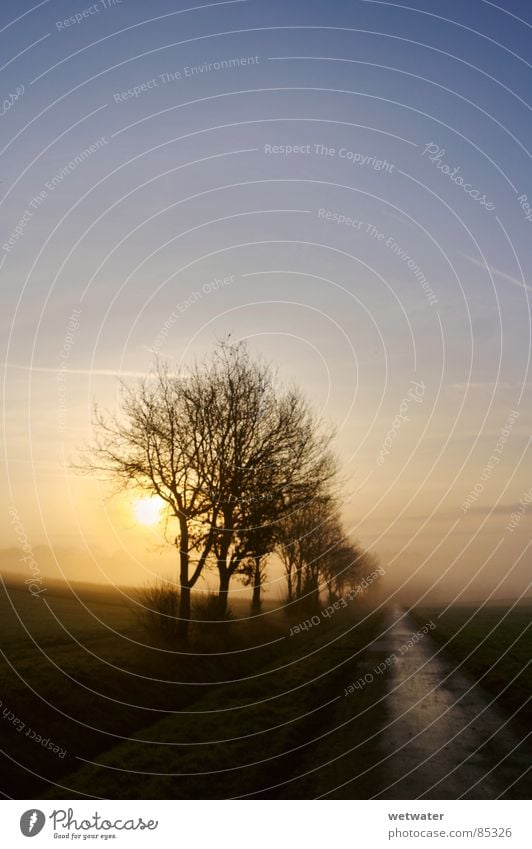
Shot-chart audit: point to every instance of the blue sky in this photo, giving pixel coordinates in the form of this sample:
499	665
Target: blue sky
190	182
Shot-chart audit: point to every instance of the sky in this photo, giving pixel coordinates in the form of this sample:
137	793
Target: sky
346	185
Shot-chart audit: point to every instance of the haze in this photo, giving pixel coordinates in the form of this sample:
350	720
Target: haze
299	193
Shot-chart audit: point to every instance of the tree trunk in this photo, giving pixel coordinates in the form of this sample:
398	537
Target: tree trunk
184	613
289	583
313	594
184	599
257	586
223	591
299	581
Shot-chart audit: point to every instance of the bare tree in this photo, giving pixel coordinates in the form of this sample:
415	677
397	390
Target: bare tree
315	551
269	453
254	573
154	444
229	455
345	562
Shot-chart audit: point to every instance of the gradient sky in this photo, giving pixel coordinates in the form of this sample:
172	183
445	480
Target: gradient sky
182	191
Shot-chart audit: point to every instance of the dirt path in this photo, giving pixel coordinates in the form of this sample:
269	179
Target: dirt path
439	737
447	740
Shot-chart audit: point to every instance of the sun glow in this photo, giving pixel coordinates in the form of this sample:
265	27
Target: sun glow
148	510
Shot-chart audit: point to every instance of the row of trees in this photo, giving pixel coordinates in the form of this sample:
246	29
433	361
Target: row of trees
316	553
245	469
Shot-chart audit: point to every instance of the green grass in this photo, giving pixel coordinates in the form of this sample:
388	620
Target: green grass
137	721
258	732
73	671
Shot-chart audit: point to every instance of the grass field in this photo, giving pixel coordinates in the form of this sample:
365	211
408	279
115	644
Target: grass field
81	682
93	705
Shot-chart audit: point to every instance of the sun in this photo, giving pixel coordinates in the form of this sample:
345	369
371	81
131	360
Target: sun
148	510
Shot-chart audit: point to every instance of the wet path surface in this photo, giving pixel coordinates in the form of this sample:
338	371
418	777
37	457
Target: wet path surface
444	739
418	729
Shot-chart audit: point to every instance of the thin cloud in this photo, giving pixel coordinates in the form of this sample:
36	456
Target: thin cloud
496	272
96	372
487	385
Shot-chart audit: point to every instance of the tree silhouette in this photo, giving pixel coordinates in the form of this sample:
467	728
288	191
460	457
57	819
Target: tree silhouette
229	453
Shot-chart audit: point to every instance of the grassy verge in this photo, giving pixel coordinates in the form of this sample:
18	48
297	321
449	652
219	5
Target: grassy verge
240	739
76	674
